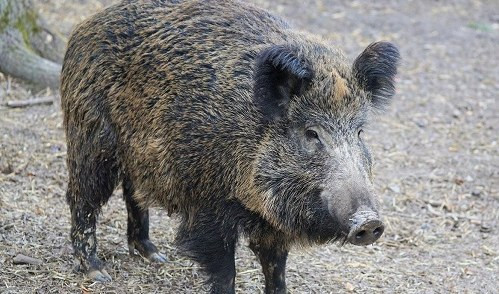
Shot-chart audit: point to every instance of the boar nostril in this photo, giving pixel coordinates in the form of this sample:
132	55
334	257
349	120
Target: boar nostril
360	234
378	231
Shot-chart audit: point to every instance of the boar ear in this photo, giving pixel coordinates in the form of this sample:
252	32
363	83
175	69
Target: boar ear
279	75
375	69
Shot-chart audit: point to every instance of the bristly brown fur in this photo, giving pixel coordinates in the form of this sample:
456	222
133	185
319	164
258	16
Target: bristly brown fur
189	104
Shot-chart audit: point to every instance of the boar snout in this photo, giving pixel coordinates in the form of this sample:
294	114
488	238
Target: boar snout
365	227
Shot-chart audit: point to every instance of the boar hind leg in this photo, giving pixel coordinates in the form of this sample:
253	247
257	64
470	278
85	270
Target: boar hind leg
203	241
92	180
138	227
83	223
273	260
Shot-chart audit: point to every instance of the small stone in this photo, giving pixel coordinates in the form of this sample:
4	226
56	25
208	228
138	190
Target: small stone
476	193
484	228
421	123
7	169
55	149
425	226
394	188
23	259
349	287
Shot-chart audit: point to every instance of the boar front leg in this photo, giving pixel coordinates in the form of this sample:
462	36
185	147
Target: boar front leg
205	241
273	260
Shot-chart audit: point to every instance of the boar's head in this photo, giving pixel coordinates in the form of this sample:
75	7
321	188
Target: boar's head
313	169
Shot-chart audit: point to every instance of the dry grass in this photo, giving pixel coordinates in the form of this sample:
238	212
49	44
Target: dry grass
437	169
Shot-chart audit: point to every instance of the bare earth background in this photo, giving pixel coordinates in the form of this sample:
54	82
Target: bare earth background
437	169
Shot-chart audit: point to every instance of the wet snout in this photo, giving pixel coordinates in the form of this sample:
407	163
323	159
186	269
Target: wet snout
365	227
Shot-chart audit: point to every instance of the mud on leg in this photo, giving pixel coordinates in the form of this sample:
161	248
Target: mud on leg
83	225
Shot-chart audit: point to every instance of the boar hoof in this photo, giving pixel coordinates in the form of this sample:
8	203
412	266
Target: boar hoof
99	275
157	257
147	250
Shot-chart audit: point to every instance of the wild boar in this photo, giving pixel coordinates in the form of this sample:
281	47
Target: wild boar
224	114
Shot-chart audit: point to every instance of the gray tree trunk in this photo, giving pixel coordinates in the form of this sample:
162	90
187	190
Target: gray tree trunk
29	50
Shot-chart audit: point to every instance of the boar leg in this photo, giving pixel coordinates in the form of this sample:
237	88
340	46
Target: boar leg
138	227
83	223
204	241
273	261
91	183
93	175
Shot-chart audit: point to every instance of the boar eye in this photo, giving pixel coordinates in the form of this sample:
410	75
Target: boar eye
311	135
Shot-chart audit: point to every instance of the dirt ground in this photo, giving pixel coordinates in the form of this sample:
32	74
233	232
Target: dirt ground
437	167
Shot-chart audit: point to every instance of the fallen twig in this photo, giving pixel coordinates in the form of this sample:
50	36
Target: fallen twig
30	102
